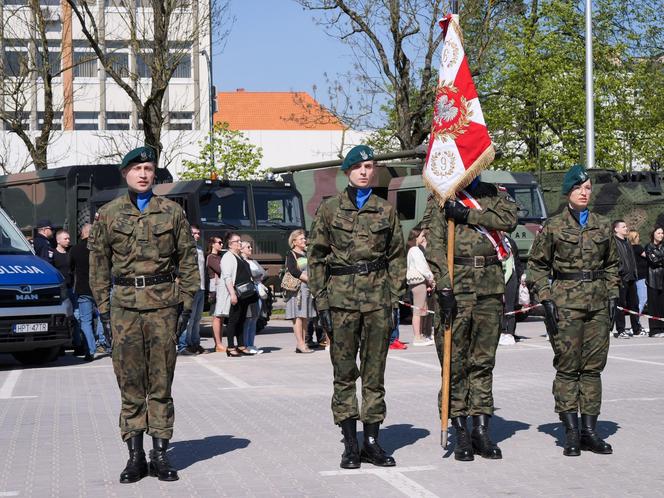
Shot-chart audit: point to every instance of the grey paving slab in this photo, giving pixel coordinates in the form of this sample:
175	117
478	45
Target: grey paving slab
261	426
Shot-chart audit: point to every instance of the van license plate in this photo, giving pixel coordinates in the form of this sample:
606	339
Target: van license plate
21	328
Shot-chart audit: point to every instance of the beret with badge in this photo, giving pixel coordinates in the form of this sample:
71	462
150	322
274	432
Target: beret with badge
357	154
575	176
139	155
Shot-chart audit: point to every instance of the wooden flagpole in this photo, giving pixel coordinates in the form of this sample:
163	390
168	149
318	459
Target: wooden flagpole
447	344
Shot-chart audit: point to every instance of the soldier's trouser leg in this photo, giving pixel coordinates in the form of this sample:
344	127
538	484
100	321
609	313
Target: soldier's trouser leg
369	334
144	344
580	350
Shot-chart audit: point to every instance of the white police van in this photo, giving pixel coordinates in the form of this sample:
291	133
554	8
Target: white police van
36	314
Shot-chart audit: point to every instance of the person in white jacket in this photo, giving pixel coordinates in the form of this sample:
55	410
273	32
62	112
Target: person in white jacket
420	282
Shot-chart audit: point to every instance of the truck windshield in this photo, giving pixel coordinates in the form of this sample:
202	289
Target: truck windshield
529	202
11	239
277	208
225	206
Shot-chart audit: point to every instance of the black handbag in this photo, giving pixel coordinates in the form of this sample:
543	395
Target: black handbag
245	291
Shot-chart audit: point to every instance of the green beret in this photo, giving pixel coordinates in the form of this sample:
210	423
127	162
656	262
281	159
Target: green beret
139	155
575	176
356	155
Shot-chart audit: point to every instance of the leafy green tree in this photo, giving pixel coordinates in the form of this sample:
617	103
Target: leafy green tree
228	154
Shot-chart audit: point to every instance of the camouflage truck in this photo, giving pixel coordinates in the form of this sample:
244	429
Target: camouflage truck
635	197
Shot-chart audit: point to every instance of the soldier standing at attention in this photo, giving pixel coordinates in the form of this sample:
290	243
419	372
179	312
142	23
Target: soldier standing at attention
138	243
475	305
357	274
573	267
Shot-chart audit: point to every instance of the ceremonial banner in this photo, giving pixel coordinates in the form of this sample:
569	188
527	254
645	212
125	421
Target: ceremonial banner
459	144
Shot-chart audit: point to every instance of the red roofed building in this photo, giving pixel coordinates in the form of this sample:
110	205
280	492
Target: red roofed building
291	127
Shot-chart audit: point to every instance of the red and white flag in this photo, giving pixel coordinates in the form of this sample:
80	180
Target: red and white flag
459	145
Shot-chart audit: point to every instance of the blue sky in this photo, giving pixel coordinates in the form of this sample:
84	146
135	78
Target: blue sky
275	45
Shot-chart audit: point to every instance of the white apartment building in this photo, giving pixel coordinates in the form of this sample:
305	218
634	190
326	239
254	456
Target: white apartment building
95	120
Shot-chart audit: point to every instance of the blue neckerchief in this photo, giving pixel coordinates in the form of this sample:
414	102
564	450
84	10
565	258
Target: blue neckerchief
142	200
583	217
474	183
362	197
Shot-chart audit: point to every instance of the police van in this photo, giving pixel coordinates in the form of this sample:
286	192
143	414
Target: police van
36	314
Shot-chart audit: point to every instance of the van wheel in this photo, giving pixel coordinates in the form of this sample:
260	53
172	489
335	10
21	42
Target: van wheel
37	356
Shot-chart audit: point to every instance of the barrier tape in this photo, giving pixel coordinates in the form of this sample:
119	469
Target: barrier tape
631	312
523	310
417	308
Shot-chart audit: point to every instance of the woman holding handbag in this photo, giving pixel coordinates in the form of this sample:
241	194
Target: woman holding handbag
420	281
235	292
254	310
213	265
299	303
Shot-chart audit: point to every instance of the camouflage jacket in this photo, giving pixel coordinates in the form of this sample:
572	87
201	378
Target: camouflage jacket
342	235
127	243
564	246
498	212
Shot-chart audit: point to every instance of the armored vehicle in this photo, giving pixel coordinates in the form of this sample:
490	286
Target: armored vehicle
634	197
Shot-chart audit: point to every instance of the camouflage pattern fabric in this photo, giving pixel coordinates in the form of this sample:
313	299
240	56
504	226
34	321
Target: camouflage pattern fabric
342	235
475	334
144	352
368	333
127	243
476	329
582	344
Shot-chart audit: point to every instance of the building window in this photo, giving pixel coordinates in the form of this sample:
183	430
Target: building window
143	62
16	62
117	120
85	64
86	120
53	25
181	120
184	67
55	125
53	61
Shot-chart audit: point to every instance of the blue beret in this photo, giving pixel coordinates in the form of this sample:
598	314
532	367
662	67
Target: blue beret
139	155
575	176
356	155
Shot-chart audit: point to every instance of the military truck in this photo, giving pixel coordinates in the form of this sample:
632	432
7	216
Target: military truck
635	197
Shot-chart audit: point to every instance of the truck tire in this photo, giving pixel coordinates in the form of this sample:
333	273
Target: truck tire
37	356
266	312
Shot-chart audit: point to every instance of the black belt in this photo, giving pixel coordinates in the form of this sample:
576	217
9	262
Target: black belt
144	280
582	276
477	261
360	268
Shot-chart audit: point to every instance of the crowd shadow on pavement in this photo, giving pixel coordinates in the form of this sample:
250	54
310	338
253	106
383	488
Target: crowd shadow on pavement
499	431
555	429
394	437
183	454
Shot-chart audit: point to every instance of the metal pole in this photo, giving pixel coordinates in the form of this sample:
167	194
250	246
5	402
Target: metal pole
455	7
208	59
590	109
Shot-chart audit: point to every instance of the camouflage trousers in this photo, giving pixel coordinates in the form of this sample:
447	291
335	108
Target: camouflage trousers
368	333
144	353
580	350
475	335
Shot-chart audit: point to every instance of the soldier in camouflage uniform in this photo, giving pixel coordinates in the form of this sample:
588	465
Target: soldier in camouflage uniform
357	273
474	306
137	244
573	267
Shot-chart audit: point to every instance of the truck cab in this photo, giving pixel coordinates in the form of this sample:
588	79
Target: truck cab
36	314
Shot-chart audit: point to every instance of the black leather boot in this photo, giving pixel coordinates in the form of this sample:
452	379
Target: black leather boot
590	441
371	451
160	467
137	466
350	459
570	422
482	444
463	450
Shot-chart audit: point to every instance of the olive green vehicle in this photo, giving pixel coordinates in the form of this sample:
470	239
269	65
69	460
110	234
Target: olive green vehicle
635	197
400	182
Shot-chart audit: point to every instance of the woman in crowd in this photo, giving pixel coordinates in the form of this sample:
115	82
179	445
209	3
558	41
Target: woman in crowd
254	309
235	274
420	281
641	267
655	280
299	304
213	265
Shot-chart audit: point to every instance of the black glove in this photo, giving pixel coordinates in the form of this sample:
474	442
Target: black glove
448	305
457	211
613	309
325	320
550	317
183	320
105	319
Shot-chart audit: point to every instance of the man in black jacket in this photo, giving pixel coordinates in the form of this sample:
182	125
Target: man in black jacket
42	240
628	296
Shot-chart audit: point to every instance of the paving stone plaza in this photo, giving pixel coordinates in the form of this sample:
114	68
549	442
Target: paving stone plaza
262	426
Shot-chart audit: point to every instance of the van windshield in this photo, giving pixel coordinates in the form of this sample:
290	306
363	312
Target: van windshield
276	207
225	206
11	239
529	202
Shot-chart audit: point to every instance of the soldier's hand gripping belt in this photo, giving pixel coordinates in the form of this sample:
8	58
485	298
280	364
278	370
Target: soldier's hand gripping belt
448	305
613	309
183	320
550	317
456	211
105	319
325	318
